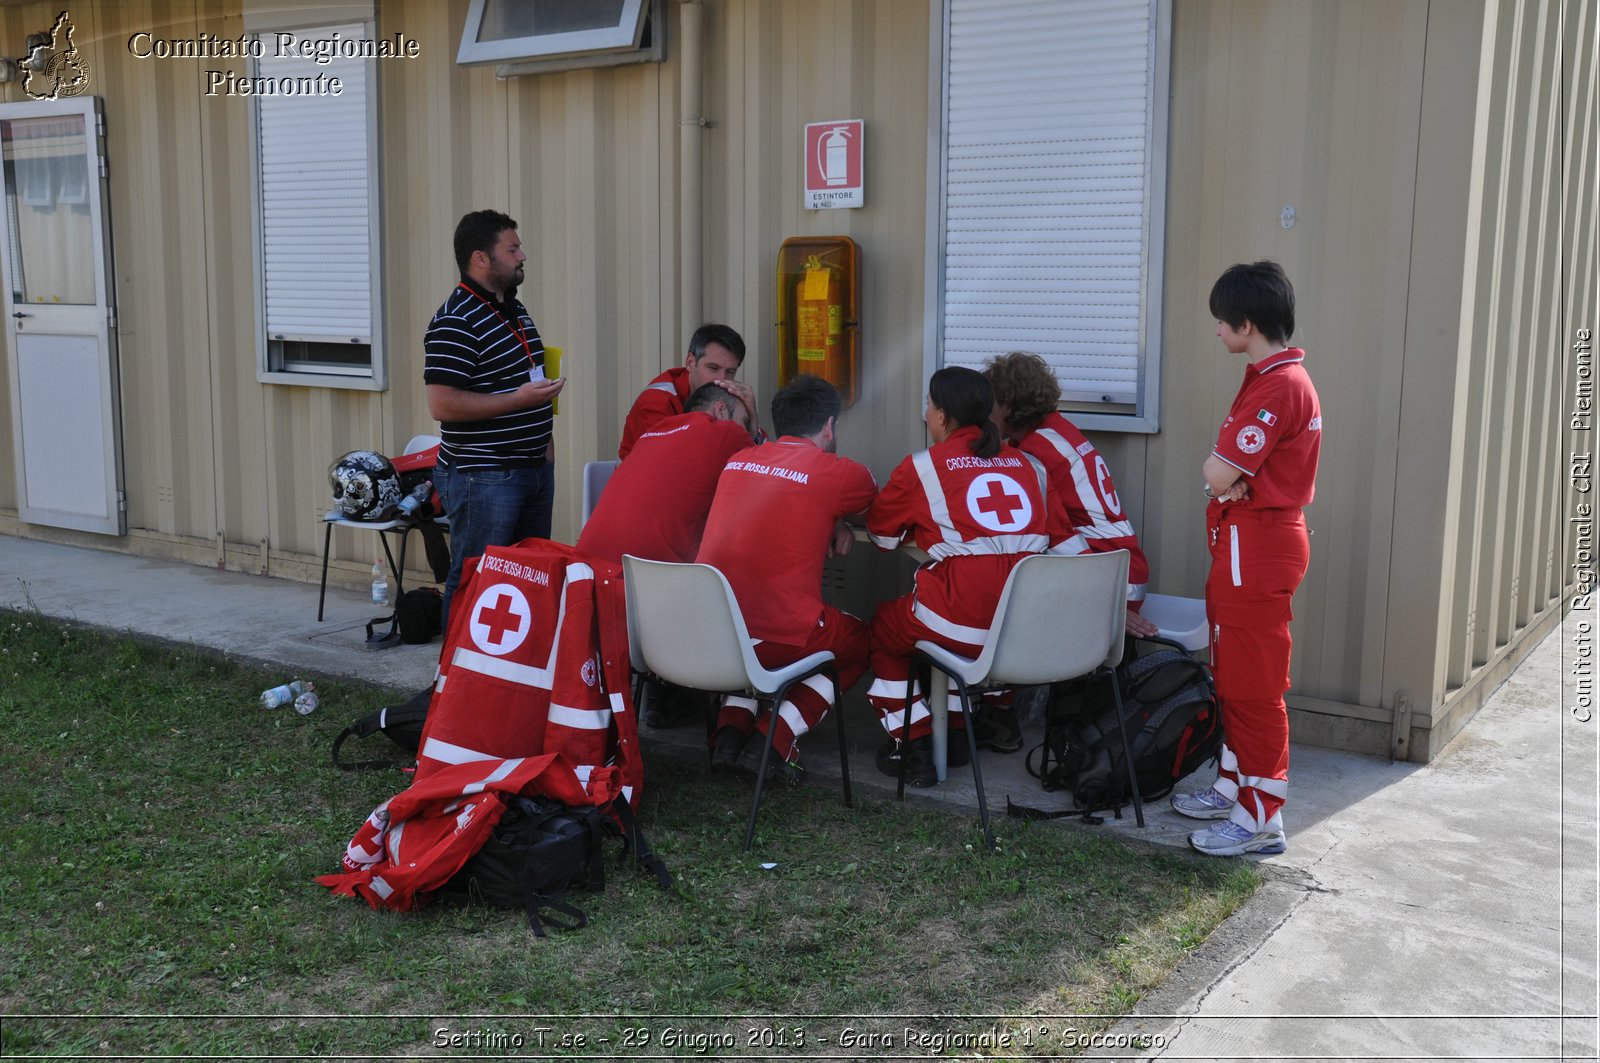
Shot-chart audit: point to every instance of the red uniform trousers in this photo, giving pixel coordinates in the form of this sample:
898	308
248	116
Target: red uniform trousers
1258	558
893	637
809	701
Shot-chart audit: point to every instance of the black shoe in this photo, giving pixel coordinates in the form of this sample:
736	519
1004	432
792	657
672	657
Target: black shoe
919	769
670	705
997	729
726	746
788	772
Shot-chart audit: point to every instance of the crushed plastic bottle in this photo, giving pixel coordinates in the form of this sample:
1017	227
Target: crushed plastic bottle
307	702
279	696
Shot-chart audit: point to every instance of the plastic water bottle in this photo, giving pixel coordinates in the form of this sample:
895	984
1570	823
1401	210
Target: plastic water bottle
307	702
279	696
414	501
380	583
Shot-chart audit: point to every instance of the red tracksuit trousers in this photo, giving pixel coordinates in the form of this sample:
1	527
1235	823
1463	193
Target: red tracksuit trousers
808	702
1258	558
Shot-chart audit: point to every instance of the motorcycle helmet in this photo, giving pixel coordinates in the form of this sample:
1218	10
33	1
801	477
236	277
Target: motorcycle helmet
365	485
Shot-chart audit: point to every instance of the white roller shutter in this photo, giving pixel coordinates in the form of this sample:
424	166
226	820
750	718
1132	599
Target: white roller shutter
316	201
1050	171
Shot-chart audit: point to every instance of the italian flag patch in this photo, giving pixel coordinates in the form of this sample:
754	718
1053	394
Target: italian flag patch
1267	417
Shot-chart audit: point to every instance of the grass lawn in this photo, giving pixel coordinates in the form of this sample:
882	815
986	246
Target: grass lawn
161	833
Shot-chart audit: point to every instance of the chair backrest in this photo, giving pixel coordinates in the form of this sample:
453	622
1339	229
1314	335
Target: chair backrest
420	443
1059	617
684	625
595	475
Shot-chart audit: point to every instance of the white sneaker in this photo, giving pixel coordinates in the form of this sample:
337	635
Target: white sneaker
1229	839
1202	804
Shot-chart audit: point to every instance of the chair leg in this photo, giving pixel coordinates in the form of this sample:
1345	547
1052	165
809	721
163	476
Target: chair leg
972	750
761	772
905	730
327	541
844	747
383	538
1127	752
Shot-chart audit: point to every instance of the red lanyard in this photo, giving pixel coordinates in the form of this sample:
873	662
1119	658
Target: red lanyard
519	333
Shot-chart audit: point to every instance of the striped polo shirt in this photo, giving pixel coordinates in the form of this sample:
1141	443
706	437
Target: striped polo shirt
477	343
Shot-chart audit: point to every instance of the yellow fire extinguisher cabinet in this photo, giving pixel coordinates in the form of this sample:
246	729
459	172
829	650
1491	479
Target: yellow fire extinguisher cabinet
819	291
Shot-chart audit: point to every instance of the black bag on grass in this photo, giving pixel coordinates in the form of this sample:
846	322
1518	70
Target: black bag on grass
1174	725
541	850
401	724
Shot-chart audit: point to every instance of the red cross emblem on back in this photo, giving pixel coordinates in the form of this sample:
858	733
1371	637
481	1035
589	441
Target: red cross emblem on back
500	619
998	503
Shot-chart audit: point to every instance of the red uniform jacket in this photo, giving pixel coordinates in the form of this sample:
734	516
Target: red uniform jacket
663	397
655	504
769	530
976	518
1081	479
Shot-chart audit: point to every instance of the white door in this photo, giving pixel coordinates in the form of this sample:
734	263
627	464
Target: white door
60	322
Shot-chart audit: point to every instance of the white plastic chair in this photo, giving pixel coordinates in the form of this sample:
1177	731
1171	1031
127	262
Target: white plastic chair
332	520
685	626
1181	620
595	476
1058	618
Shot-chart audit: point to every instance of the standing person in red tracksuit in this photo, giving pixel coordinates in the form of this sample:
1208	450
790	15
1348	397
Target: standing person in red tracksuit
777	516
1259	476
977	506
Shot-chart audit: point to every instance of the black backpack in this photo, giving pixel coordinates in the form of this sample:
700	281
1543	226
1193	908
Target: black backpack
401	724
541	850
1174	725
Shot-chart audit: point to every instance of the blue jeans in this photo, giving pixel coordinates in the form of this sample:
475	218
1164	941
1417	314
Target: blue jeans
492	507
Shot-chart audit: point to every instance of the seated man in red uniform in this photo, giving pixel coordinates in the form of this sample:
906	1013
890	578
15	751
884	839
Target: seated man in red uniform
1026	393
976	506
715	354
655	504
777	516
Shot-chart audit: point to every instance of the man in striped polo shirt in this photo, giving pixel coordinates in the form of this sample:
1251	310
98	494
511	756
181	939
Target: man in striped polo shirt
483	367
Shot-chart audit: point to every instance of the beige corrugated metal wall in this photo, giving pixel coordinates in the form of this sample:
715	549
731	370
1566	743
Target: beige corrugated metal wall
1429	251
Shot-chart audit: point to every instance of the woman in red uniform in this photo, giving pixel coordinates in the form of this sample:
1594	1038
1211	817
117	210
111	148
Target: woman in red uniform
1259	476
977	506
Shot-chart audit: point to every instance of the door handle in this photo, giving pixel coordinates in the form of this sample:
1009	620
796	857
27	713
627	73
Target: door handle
19	315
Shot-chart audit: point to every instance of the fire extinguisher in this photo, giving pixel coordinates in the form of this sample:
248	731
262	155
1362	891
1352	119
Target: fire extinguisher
819	300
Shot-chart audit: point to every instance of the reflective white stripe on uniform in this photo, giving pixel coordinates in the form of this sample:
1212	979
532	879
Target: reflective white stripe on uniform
663	385
822	686
938	507
972	636
1233	551
1136	591
577	570
990	546
740	702
1073	547
886	542
617	704
506	768
1088	490
500	668
583	771
580	719
449	753
380	887
889	689
791	716
1119	529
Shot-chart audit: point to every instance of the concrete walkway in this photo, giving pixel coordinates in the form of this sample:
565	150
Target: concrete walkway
1445	911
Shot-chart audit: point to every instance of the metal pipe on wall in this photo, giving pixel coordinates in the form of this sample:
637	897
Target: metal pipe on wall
691	132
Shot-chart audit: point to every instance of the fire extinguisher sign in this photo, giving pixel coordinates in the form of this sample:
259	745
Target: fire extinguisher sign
834	172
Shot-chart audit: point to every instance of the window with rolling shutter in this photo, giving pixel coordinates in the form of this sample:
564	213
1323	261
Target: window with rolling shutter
317	215
1052	175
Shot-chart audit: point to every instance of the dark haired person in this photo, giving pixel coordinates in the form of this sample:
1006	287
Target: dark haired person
483	371
977	506
777	516
715	354
1259	476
